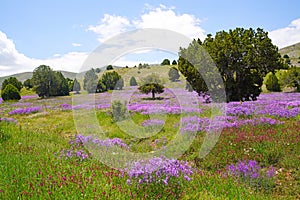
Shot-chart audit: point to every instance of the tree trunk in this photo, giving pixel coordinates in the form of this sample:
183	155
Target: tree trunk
153	95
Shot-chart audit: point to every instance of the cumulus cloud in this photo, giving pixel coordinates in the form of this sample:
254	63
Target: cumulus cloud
161	17
109	26
12	61
288	35
165	18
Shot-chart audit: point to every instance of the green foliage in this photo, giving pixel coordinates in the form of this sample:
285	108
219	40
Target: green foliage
119	110
152	84
242	56
272	83
286	56
291	78
101	87
174	62
14	81
76	86
173	74
165	62
90	81
98	70
47	82
132	81
59	86
109	67
28	84
112	81
142	66
10	92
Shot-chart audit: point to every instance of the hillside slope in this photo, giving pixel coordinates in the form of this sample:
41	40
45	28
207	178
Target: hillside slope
293	52
26	75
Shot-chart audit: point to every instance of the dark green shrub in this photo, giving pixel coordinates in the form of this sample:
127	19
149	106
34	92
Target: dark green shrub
10	92
119	110
132	81
272	83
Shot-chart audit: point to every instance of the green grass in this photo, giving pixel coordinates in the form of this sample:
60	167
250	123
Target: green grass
31	167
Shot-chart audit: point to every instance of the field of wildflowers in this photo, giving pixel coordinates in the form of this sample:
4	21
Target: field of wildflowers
256	157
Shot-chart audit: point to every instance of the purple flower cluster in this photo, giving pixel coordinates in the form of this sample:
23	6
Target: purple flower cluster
153	122
1	100
244	169
77	146
249	169
158	170
196	124
279	110
236	109
8	119
81	140
22	111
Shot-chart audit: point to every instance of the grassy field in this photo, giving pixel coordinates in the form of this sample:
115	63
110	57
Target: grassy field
256	157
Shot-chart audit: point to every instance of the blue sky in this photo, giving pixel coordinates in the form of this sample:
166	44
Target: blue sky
62	33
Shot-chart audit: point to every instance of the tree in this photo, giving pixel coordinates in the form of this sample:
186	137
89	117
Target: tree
47	82
101	87
173	74
59	86
242	56
165	62
291	78
272	83
132	81
42	79
10	92
90	81
76	86
27	84
112	80
98	70
109	67
14	81
152	84
174	62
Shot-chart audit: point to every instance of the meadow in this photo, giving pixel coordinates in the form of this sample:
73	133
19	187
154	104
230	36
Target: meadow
44	156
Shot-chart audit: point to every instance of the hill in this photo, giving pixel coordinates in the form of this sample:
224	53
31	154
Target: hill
293	52
26	75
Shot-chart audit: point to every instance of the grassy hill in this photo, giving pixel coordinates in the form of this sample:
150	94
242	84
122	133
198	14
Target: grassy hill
26	75
293	52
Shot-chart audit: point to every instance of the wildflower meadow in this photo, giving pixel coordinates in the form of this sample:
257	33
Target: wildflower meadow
43	156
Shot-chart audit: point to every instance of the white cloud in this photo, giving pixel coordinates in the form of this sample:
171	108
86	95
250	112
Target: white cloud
12	61
76	45
110	25
288	35
165	18
161	17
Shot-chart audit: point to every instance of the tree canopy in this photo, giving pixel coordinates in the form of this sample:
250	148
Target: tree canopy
112	81
173	74
90	81
47	82
10	92
165	62
152	84
242	56
14	81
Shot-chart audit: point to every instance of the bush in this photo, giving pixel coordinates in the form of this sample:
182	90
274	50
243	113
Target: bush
13	81
132	81
272	83
119	110
10	92
173	74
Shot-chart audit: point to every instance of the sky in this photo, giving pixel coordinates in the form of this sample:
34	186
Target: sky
62	34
